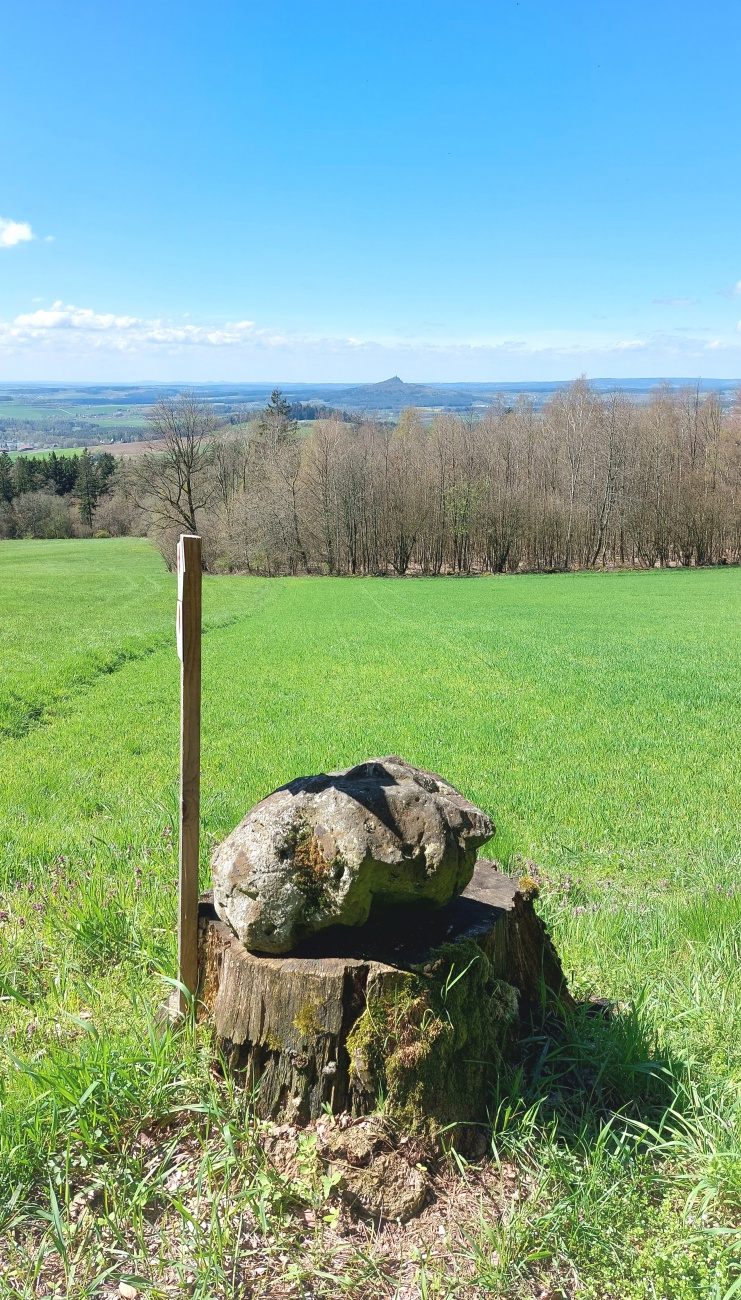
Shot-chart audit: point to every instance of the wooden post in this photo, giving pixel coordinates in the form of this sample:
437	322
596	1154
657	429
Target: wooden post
189	650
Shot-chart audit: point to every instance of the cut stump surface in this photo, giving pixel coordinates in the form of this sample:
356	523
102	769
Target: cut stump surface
296	1025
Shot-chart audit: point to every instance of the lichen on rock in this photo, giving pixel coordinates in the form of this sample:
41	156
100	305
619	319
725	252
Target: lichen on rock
325	850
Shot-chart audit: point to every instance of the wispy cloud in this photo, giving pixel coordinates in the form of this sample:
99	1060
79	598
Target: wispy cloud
14	232
676	302
67	339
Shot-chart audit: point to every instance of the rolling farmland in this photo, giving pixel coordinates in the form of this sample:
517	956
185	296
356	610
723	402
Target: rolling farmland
595	716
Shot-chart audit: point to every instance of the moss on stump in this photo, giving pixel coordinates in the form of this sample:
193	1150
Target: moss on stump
419	1014
432	1044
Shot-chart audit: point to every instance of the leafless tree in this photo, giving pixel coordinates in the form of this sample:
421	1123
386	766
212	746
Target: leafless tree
173	480
587	481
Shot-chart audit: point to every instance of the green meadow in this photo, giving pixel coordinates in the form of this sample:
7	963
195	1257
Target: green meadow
42	411
594	716
42	455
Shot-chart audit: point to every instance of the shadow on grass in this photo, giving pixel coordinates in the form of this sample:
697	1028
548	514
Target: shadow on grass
593	1064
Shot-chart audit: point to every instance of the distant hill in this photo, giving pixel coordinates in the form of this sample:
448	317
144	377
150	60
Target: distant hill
392	394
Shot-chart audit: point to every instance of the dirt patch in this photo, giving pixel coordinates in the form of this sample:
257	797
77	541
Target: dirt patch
130	448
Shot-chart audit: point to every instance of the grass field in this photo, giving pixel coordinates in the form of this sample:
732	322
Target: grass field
44	453
594	716
43	411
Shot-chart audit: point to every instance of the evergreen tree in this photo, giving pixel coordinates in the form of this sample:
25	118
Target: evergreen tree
86	488
52	470
105	468
23	475
6	477
275	423
61	473
68	473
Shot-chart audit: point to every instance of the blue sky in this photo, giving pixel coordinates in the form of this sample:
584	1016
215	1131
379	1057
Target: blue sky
345	189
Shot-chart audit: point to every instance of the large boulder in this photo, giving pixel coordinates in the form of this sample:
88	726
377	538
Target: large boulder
324	850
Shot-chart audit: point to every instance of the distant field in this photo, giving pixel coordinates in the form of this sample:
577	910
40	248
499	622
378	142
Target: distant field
41	412
596	717
60	451
140	448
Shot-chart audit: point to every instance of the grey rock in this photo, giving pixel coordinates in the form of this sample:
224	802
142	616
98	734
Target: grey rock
324	849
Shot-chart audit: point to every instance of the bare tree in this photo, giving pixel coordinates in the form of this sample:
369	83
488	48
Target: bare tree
173	480
587	481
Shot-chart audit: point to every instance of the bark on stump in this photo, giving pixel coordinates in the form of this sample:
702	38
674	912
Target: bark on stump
283	1023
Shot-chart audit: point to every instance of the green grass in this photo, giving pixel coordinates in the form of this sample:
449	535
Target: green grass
74	615
82	412
594	716
42	455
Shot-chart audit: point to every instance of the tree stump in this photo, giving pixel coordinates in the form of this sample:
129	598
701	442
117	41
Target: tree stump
419	1007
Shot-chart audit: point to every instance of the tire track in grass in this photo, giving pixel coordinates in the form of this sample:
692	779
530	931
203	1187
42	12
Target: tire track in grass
21	712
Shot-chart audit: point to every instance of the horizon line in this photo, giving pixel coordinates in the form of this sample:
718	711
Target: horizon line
365	383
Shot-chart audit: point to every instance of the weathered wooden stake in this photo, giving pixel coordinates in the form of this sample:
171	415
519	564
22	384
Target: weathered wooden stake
189	650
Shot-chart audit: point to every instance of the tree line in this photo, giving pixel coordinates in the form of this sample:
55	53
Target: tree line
586	481
52	496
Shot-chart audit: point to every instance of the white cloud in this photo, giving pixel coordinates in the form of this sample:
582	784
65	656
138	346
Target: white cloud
64	340
676	302
119	333
60	317
14	232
